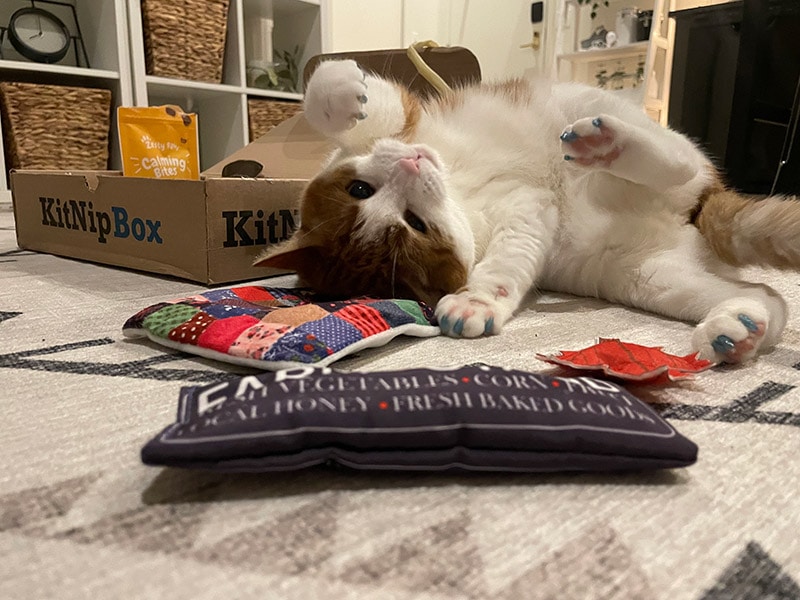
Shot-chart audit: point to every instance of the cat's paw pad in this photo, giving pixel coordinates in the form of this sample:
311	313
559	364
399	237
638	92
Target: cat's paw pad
591	142
467	315
336	96
729	337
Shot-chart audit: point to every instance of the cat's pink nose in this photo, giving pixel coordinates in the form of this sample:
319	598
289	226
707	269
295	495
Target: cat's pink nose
410	165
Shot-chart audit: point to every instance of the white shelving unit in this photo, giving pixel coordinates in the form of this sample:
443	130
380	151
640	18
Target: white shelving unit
222	107
104	26
578	60
574	23
658	71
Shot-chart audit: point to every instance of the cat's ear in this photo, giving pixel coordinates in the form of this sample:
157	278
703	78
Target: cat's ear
291	255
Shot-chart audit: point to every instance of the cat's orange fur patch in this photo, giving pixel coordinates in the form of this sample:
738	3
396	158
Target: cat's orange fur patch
744	230
517	91
413	110
329	258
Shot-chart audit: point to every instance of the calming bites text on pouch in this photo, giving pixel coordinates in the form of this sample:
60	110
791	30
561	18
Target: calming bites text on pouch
158	142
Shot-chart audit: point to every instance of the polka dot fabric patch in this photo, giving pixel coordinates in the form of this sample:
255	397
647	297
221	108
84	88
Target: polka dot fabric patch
277	328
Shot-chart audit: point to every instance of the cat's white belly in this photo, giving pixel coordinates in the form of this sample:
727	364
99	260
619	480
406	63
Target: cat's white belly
605	254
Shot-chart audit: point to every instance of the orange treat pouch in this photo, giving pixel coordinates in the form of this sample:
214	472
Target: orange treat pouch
158	142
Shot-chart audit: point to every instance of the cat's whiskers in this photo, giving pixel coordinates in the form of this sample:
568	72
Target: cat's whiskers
334	199
344	225
325	222
394	271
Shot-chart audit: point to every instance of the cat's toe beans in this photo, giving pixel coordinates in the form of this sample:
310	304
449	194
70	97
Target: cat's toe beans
729	338
336	96
591	142
569	136
589	126
734	352
466	326
488	327
751	325
461	316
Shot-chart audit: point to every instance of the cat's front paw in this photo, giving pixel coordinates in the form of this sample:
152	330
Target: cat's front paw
335	96
470	315
592	142
730	333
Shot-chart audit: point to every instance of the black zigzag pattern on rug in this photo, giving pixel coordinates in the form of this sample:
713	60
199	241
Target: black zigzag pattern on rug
754	575
141	369
742	410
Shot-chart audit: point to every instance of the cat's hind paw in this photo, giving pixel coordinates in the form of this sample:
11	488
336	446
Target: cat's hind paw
470	315
730	335
591	142
336	96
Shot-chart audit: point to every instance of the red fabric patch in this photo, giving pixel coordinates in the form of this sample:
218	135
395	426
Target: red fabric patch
189	332
631	362
364	318
223	332
253	293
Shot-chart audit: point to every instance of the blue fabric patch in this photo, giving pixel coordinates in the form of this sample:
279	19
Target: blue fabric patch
393	314
298	346
223	311
332	331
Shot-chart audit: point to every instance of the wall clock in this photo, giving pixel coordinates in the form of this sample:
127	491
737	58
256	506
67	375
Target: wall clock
38	35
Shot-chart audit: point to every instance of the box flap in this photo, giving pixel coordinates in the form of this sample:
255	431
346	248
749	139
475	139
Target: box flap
292	150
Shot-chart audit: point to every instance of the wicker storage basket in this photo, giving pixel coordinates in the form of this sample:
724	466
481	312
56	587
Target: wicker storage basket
265	114
54	126
185	39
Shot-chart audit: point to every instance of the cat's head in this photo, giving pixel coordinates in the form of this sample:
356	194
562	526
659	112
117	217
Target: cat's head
379	224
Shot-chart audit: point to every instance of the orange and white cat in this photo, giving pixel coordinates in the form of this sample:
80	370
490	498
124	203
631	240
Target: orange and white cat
470	200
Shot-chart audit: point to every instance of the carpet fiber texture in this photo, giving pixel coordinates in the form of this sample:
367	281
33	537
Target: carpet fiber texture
82	517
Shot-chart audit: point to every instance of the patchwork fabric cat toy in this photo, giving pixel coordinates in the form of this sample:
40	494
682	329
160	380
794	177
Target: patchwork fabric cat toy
470	200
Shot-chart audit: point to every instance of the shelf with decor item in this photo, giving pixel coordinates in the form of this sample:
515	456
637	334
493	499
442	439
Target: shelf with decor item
244	50
618	67
603	42
81	62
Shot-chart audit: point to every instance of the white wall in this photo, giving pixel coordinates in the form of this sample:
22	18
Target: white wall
426	20
493	30
364	25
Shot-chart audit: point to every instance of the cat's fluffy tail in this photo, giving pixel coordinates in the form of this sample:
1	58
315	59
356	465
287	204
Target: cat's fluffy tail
747	230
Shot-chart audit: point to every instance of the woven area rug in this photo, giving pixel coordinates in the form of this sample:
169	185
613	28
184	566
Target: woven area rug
81	517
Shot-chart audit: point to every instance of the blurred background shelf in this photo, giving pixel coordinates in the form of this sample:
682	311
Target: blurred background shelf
104	31
222	106
114	38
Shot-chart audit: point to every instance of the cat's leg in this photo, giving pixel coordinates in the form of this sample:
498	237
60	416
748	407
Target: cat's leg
354	107
512	263
735	319
653	156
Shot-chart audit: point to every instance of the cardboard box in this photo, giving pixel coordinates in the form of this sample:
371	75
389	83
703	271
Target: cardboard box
207	231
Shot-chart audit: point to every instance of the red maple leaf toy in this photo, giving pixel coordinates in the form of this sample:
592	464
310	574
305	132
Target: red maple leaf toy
631	362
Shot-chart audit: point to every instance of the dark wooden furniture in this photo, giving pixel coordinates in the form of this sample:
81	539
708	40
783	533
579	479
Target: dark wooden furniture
736	89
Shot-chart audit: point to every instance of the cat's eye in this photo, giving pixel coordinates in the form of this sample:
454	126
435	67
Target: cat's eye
360	189
415	222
